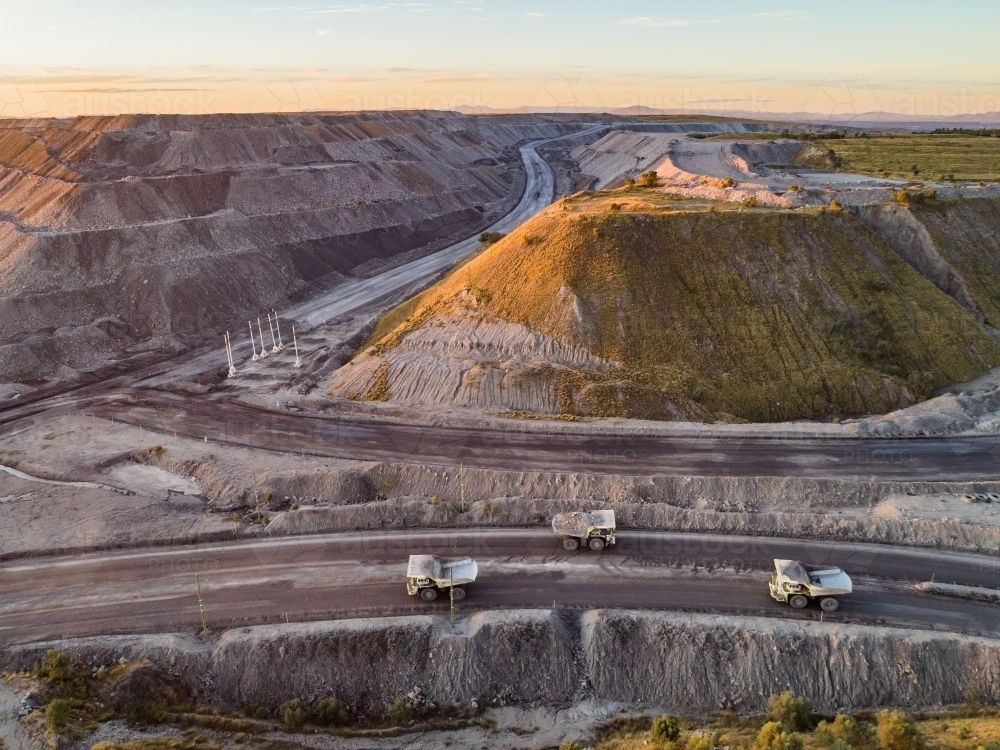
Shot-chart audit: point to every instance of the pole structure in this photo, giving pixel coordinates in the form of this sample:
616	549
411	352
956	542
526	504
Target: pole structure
229	355
274	343
295	341
253	343
201	606
278	329
263	352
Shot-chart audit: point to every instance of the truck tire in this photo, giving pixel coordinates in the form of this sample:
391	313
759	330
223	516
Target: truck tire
571	544
829	604
428	595
459	593
596	544
798	601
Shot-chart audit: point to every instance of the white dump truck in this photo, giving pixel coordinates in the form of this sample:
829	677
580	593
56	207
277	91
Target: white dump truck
426	575
797	584
595	529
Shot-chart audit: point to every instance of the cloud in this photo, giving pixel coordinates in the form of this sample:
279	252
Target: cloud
647	21
785	15
322	32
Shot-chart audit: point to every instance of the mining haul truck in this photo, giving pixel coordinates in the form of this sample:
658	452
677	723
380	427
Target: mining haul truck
426	575
595	529
798	584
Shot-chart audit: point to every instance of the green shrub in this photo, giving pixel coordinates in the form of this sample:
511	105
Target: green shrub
571	745
54	668
774	736
399	711
329	712
57	715
790	710
615	207
750	202
648	179
490	238
293	714
697	741
898	731
992	745
665	728
845	730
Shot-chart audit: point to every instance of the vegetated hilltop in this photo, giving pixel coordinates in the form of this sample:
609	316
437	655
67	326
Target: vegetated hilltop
633	304
155	225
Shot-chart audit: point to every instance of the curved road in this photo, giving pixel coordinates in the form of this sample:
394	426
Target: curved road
351	575
931	459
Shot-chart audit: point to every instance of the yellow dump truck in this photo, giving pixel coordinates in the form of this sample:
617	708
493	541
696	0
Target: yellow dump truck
426	575
797	584
595	529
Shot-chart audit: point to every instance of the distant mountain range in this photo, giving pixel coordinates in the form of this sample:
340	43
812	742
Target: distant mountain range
863	120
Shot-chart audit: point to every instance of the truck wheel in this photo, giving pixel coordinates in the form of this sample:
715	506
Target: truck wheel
459	593
571	544
798	601
428	595
829	604
597	544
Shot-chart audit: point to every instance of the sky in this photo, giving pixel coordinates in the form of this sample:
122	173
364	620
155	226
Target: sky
77	57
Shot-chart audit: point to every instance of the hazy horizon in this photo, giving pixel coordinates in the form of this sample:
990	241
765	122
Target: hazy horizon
78	57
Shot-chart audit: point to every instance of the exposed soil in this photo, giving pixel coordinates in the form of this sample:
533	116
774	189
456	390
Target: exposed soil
117	229
633	306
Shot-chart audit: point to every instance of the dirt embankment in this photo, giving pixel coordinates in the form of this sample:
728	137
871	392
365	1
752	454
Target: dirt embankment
163	225
680	662
631	306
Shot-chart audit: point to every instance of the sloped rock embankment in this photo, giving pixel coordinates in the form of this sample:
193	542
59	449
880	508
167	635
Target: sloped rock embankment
683	662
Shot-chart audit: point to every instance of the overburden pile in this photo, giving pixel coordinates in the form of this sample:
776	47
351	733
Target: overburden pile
661	309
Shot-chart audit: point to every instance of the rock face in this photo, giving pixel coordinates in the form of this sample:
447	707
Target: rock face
171	224
634	305
681	662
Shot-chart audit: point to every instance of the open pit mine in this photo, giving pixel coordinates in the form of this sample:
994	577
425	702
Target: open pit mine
420	429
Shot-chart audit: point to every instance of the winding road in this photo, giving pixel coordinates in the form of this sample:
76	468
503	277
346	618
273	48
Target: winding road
361	575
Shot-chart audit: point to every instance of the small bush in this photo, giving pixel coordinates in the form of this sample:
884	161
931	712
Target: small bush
665	728
398	711
57	715
490	238
616	207
293	714
329	712
836	206
648	179
898	731
54	668
434	500
572	745
750	202
774	736
790	710
992	745
630	183
698	742
158	451
846	730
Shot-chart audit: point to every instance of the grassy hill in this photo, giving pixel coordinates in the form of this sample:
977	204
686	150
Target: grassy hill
709	311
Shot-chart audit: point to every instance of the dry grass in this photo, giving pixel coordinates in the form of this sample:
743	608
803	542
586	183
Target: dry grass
964	157
949	732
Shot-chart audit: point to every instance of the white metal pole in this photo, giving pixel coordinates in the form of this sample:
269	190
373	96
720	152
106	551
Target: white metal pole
263	352
253	343
274	344
229	351
278	329
298	362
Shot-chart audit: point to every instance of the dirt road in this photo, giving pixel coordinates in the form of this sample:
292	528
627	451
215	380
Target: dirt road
967	458
353	574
